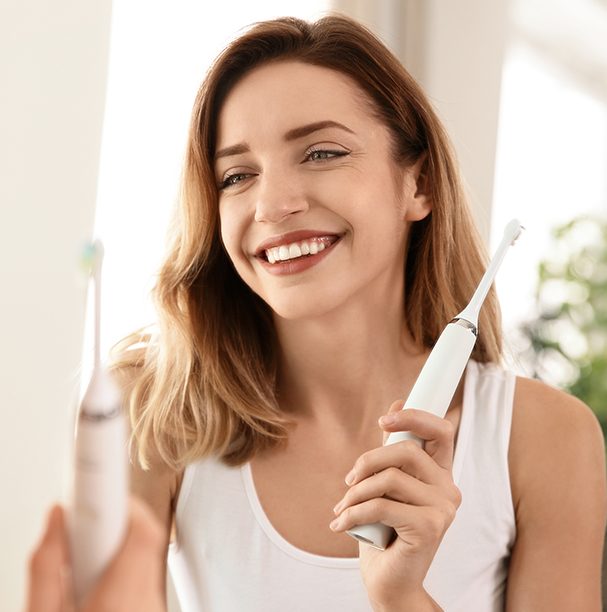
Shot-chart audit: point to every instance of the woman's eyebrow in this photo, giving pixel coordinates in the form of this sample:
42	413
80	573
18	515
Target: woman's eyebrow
304	130
294	134
237	149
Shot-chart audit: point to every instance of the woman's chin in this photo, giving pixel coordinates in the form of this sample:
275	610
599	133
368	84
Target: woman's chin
298	308
298	312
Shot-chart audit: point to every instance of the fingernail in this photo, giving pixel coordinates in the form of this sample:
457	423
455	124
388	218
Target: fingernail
333	525
388	419
337	508
350	478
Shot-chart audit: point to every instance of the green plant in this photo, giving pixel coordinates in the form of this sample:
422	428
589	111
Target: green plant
567	341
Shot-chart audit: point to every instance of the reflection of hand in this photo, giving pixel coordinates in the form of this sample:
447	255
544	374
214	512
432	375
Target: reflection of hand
411	490
132	582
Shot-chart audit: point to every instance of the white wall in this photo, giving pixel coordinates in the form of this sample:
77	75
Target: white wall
53	61
464	55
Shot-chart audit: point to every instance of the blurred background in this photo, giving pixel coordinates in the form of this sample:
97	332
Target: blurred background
93	119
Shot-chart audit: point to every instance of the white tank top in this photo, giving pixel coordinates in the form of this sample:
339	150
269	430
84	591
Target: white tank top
229	558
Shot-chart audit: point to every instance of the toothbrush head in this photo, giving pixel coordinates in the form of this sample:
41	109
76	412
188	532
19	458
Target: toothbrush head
512	231
92	256
470	313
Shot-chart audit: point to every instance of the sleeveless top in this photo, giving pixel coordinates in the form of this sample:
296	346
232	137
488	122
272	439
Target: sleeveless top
229	558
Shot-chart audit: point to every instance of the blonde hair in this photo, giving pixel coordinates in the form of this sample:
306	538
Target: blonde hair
205	382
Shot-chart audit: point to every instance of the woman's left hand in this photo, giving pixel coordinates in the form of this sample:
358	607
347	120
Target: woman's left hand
410	489
133	581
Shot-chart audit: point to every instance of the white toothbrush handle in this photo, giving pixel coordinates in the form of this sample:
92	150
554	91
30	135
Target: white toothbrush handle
432	392
98	512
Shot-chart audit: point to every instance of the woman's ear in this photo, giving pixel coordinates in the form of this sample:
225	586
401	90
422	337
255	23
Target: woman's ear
418	202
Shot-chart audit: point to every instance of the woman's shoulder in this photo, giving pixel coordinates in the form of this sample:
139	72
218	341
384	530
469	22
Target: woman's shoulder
546	415
556	442
557	475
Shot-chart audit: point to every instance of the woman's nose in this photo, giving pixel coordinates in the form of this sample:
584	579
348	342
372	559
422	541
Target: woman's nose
279	198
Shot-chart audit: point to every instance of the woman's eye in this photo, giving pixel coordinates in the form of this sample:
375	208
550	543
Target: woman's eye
233	179
324	154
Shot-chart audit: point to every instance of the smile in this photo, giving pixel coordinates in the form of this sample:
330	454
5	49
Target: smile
295	250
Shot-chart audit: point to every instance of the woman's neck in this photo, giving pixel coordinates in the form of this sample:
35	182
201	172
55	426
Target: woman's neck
346	368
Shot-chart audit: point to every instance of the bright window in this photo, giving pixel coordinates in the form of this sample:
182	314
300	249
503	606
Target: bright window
552	144
159	55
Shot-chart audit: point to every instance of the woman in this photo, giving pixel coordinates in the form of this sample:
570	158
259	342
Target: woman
322	244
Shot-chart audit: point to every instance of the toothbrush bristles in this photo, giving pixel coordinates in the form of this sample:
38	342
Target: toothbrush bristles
91	257
518	234
91	261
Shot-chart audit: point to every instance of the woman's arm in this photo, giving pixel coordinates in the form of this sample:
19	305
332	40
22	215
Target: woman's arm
557	467
158	487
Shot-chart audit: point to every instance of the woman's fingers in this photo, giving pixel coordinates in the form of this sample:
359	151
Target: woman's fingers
134	581
403	474
407	456
414	524
437	433
393	484
47	567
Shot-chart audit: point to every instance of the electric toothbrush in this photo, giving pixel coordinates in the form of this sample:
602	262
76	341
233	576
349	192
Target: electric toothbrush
98	510
436	384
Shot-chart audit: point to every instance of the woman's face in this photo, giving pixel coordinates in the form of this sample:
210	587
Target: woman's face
314	211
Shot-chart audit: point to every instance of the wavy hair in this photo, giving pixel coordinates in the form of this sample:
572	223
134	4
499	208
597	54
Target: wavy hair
204	382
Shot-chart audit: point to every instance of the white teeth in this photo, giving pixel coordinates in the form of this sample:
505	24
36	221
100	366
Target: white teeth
295	250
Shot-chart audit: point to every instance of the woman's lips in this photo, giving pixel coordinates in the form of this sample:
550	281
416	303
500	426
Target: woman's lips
294	256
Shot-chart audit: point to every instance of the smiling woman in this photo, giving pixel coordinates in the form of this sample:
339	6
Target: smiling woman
295	175
321	245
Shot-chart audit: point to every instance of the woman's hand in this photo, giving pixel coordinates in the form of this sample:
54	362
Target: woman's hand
411	490
133	581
